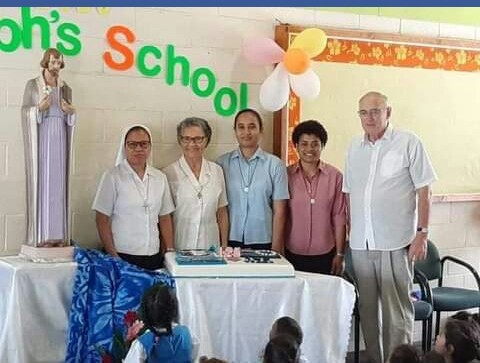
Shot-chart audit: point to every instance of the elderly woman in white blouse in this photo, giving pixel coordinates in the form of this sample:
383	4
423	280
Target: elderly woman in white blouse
198	190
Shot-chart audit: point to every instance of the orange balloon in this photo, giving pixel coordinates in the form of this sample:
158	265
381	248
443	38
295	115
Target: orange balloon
296	61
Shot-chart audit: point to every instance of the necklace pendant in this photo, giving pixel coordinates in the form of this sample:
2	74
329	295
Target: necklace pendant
245	189
199	195
312	200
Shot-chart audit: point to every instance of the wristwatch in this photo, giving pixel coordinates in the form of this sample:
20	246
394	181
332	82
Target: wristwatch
422	229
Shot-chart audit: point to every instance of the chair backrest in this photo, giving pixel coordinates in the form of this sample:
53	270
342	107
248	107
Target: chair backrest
431	267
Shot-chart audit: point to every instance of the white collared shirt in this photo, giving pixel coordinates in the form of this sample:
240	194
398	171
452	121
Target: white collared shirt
381	179
196	203
134	206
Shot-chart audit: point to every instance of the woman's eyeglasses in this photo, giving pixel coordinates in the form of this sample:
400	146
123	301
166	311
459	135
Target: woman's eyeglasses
132	145
195	140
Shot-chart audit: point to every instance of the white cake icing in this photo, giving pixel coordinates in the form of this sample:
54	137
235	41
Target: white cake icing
279	268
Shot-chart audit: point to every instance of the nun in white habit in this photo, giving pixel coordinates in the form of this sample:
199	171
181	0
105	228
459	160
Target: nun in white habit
132	200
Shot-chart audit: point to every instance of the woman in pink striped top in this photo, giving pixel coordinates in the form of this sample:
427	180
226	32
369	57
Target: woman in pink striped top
315	237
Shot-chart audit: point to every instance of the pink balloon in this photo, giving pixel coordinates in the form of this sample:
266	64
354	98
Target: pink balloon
263	51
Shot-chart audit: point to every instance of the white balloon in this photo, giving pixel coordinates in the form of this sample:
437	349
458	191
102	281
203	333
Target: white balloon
305	85
275	90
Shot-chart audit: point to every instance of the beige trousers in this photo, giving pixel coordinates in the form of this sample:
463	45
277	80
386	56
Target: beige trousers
384	280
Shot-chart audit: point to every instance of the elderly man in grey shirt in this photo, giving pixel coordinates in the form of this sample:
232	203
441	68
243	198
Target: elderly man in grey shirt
387	179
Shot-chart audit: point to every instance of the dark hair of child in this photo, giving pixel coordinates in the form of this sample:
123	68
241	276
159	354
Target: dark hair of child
465	315
282	349
159	309
405	353
464	337
289	326
433	357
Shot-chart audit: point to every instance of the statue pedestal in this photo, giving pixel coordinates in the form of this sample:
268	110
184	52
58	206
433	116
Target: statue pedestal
47	254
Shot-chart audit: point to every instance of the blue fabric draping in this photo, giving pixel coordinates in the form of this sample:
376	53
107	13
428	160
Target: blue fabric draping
105	288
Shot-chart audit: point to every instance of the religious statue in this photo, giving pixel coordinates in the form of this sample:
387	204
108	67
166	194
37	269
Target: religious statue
48	121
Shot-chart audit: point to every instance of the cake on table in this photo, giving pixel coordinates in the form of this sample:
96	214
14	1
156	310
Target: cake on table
225	263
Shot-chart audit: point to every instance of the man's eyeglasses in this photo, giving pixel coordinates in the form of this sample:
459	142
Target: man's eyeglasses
197	140
132	145
374	112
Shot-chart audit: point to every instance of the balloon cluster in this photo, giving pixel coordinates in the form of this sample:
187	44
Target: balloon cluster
293	67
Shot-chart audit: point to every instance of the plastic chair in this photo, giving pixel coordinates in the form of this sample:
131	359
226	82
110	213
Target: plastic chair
447	298
424	309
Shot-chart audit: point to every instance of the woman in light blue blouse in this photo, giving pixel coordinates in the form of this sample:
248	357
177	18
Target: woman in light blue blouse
257	188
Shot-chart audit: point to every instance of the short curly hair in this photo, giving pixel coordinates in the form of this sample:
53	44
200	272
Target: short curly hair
310	127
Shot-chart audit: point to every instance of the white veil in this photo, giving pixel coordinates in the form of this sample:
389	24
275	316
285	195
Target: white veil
121	149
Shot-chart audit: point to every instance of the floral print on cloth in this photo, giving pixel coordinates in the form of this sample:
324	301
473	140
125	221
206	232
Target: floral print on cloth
104	289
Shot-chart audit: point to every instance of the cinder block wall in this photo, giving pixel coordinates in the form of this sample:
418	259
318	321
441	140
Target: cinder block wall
108	100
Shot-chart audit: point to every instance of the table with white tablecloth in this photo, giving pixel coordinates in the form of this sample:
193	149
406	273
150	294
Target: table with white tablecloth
231	317
34	307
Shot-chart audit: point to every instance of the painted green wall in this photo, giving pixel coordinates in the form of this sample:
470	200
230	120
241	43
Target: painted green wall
463	16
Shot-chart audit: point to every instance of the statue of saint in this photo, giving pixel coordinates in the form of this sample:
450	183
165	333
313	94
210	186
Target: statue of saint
48	121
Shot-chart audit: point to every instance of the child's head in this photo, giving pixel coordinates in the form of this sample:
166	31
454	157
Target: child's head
282	349
288	326
405	353
433	357
204	359
465	315
459	341
159	309
462	315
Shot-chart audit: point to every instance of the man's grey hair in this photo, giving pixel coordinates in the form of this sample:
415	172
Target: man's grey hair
376	94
